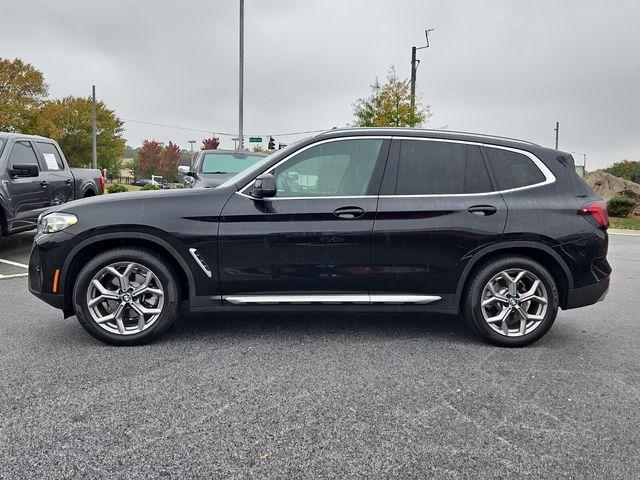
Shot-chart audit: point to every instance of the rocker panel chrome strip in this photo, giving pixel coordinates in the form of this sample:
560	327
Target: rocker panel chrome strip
329	299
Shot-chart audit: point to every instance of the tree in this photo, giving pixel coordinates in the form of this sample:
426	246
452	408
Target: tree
210	143
626	169
148	160
169	161
68	121
23	92
389	105
258	148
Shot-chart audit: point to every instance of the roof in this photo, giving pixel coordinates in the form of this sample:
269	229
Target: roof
21	135
423	132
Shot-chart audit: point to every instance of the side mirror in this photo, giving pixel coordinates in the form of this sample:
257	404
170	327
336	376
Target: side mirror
183	169
24	171
264	186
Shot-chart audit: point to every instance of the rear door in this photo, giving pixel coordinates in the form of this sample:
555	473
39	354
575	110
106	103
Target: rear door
437	207
59	179
27	195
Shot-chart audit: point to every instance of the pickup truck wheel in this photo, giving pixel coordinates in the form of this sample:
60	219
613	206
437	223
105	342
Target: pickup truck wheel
126	296
511	302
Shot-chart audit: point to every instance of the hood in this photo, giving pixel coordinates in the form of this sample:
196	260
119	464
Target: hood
210	180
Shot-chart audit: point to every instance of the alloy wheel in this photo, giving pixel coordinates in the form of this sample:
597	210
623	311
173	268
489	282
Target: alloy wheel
514	302
125	298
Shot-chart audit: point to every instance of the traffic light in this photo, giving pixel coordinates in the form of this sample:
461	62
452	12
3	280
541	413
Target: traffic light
272	144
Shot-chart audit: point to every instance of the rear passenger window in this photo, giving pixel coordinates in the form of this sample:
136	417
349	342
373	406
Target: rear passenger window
440	168
51	156
512	170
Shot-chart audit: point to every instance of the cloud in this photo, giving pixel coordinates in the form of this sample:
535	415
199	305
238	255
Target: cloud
500	67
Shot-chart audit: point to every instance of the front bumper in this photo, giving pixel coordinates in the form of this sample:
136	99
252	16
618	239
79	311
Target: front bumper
581	297
43	263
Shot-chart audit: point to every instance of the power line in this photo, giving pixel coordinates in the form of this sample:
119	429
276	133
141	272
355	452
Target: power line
216	132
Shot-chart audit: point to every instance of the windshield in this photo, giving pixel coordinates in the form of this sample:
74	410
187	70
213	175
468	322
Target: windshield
228	162
259	166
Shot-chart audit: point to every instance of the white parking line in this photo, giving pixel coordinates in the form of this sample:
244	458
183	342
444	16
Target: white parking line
15	275
15	264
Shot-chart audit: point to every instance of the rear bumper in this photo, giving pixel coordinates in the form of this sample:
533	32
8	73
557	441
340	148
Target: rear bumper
581	297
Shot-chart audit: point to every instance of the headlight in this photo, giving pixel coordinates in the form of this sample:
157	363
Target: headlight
54	222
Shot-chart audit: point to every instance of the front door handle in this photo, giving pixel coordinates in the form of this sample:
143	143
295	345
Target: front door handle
44	183
483	210
349	213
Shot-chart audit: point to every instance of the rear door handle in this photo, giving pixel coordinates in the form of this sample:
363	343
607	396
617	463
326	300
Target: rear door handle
349	213
483	210
68	181
44	183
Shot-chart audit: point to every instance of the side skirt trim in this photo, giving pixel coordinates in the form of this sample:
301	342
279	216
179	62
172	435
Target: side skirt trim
365	299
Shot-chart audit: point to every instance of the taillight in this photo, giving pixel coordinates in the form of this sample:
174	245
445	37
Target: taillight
596	211
101	182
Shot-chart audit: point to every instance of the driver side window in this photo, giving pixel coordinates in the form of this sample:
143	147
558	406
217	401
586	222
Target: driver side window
338	168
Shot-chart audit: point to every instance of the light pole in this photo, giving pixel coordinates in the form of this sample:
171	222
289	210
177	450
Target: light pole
241	78
584	158
191	143
94	131
414	68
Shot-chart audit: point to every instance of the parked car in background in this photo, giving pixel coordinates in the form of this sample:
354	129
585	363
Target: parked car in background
212	167
146	181
500	230
34	175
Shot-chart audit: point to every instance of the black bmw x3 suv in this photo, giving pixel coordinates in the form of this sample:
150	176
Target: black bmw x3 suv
500	230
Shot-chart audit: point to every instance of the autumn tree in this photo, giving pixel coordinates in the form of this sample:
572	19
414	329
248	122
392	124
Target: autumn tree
68	121
169	161
389	105
22	93
149	159
210	143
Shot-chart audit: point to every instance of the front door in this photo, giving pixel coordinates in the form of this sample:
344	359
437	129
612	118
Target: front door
27	195
312	241
437	207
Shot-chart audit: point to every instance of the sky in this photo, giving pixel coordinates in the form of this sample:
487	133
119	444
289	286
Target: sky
502	67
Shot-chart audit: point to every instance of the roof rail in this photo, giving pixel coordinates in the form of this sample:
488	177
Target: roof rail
440	132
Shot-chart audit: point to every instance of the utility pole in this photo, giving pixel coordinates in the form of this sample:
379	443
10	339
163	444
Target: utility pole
414	68
94	133
557	129
241	78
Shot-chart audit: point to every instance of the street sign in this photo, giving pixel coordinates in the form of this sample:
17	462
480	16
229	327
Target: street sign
255	139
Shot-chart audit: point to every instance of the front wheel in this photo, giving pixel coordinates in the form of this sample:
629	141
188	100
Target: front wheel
511	302
126	296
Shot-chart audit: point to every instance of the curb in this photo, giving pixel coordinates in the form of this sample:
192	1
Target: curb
620	231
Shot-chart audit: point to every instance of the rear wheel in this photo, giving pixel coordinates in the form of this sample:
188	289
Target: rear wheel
126	296
511	302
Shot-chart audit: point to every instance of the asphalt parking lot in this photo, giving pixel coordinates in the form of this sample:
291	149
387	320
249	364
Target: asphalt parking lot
322	395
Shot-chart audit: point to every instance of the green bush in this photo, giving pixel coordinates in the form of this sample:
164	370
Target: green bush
178	185
150	186
620	206
116	188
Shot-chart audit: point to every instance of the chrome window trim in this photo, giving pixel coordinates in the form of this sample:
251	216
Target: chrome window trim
297	299
546	172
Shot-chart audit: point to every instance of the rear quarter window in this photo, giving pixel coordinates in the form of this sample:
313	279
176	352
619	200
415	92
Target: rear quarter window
512	169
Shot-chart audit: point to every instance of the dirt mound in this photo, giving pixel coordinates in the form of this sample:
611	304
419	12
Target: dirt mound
607	185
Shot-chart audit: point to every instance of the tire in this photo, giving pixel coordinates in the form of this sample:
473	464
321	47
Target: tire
505	318
160	298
